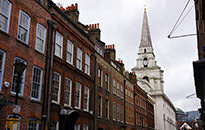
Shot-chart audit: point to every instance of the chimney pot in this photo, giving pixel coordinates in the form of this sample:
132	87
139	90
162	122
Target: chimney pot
61	8
95	26
67	8
98	25
76	6
89	26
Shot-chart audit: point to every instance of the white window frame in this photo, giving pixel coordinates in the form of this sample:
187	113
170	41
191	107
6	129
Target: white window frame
86	89
87	64
37	124
108	108
43	39
114	110
22	81
107	82
100	76
56	125
121	113
118	89
79	58
114	86
121	89
79	103
2	68
85	127
40	84
68	51
77	127
69	90
28	27
59	88
118	112
8	17
128	95
59	44
100	105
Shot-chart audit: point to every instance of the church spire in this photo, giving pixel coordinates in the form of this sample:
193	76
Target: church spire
145	36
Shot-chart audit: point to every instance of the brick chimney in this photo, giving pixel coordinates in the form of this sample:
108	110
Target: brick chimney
94	32
133	77
121	64
110	49
72	12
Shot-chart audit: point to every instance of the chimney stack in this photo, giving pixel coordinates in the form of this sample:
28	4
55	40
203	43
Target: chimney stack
110	49
94	32
133	77
72	12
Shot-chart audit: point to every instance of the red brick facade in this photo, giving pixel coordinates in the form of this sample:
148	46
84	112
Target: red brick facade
69	69
12	48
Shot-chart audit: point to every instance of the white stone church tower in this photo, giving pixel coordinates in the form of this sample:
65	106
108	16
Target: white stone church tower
150	78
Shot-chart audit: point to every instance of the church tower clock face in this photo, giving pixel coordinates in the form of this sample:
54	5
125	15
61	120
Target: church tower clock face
145	62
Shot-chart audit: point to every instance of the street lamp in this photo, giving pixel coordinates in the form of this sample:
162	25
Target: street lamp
19	69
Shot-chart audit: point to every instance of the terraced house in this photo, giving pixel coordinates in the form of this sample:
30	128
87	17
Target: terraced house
23	38
70	78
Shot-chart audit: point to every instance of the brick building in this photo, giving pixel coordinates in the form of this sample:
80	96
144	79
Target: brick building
22	39
72	82
150	113
69	70
103	99
140	108
143	107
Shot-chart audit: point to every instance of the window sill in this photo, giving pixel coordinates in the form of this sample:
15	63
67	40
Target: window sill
41	53
54	102
23	43
81	70
19	96
69	63
107	119
99	117
35	101
77	108
67	106
5	33
86	110
107	90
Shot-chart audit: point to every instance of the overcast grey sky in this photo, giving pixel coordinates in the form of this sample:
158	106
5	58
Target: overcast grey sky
121	24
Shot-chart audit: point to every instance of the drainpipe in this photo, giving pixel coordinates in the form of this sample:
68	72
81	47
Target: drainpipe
124	105
43	116
53	28
94	93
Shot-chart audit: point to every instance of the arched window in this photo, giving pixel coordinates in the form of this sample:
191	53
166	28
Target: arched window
17	116
146	78
145	50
